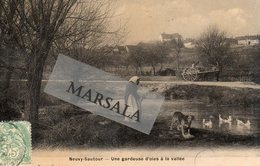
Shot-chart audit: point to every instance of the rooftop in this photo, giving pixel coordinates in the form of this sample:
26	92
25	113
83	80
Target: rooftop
248	37
170	36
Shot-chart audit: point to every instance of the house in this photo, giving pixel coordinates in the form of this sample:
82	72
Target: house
164	37
189	43
131	49
232	41
120	50
248	40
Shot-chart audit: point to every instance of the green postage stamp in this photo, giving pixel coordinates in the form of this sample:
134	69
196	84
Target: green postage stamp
15	143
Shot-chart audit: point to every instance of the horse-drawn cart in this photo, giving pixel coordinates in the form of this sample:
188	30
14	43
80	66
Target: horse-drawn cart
195	73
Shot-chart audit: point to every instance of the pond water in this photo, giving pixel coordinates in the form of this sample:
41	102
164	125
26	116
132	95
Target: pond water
239	115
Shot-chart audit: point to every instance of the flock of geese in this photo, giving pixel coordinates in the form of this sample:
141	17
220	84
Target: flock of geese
239	123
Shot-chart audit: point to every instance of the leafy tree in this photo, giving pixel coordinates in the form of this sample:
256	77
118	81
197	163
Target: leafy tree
155	54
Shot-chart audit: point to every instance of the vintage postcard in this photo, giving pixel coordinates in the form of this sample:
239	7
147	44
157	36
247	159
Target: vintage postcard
129	82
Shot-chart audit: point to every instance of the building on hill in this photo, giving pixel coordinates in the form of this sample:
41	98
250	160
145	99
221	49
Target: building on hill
120	50
189	43
164	37
248	40
232	41
131	49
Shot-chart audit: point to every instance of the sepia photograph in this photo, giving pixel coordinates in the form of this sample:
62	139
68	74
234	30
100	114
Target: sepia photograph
125	82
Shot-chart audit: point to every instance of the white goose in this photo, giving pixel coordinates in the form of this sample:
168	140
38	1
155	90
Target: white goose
208	123
241	123
221	120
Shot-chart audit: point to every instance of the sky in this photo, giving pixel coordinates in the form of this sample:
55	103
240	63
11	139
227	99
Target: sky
145	20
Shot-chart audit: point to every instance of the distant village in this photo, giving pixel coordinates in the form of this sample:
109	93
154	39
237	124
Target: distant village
247	40
170	55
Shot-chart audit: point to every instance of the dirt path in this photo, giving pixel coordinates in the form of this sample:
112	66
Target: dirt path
223	84
168	82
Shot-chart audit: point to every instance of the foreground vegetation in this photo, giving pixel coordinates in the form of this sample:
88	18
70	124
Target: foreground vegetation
71	128
67	126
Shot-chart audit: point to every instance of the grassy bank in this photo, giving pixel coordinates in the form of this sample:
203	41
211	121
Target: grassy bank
70	128
213	95
63	125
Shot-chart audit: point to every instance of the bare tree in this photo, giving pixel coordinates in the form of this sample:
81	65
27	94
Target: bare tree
214	48
155	54
10	59
37	26
177	45
136	58
163	53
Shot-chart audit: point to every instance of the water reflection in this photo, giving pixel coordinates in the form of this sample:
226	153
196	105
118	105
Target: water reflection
235	120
